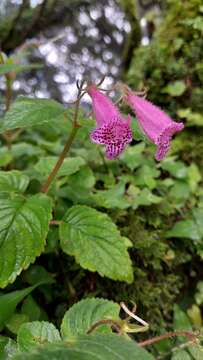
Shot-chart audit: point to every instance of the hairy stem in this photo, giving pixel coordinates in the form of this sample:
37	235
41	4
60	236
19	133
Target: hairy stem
191	336
110	322
75	127
61	158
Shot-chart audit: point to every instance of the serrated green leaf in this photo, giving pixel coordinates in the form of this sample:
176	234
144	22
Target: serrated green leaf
9	301
13	181
96	243
8	348
81	316
27	112
23	229
35	333
181	355
69	166
196	351
7	68
100	346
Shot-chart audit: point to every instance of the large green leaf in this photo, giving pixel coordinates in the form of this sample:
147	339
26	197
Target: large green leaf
7	68
96	243
80	317
69	166
34	333
24	224
13	181
9	301
101	347
27	112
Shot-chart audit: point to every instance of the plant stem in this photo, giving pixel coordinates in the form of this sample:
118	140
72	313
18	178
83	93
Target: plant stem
8	92
110	322
61	158
192	337
8	97
66	148
55	222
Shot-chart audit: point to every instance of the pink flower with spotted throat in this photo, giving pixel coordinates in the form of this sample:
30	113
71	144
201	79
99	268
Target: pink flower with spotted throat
112	129
154	122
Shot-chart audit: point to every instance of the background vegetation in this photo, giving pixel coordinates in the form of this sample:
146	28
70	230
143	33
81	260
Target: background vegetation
157	206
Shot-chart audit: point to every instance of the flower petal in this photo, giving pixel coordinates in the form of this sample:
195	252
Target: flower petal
114	150
103	107
101	135
154	122
113	132
163	141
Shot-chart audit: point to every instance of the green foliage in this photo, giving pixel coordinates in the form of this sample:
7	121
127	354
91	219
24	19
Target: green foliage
107	347
36	332
9	301
26	112
16	68
13	181
171	68
23	229
7	348
132	219
81	316
95	242
69	167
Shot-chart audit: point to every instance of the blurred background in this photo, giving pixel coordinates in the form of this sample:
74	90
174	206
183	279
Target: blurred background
75	39
153	43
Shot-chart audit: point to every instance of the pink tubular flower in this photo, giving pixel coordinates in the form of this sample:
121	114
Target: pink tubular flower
156	124
112	129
